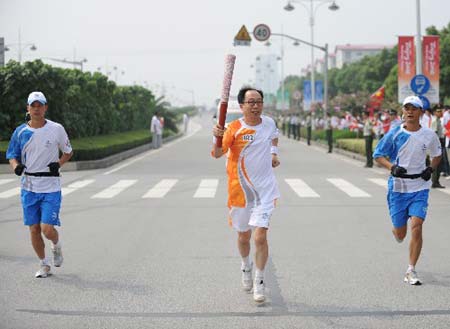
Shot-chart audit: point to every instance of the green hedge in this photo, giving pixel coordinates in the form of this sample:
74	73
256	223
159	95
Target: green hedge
320	134
354	145
98	147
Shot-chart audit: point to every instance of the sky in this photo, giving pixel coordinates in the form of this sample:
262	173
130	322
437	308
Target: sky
177	48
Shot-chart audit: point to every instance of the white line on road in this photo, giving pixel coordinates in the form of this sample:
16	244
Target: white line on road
443	190
10	193
207	188
379	181
301	188
75	186
6	181
152	152
115	189
160	189
348	188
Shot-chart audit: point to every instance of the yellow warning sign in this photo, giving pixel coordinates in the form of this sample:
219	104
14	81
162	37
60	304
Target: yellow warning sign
243	35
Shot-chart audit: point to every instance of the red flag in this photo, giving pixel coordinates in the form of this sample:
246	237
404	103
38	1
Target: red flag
377	98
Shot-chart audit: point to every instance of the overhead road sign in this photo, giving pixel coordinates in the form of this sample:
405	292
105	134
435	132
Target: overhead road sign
242	38
261	32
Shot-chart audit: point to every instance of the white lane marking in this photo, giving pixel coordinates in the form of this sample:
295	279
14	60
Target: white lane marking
301	188
379	181
160	189
446	191
115	189
152	152
348	188
6	181
207	188
76	185
10	193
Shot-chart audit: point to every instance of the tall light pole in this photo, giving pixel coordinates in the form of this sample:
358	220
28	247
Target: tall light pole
418	41
312	11
21	47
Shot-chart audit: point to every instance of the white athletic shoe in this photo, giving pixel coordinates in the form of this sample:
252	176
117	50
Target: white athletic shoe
247	279
258	291
43	272
57	256
412	279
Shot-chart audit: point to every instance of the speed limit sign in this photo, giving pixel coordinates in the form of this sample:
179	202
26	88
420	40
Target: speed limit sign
261	32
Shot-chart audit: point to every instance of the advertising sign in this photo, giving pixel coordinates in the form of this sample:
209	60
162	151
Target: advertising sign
430	56
406	66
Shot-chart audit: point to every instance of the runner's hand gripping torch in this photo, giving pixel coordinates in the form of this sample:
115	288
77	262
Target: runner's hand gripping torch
229	67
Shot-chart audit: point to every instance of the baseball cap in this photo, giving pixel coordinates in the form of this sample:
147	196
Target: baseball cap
413	100
37	96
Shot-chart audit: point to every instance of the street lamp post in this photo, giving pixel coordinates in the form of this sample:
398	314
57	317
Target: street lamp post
74	62
312	11
21	47
325	73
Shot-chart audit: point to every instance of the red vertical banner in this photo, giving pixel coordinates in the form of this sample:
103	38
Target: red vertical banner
406	66
430	65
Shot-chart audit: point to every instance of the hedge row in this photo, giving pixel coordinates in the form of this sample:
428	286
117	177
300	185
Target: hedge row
85	104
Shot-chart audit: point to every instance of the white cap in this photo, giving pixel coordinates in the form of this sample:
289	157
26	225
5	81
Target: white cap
413	100
37	96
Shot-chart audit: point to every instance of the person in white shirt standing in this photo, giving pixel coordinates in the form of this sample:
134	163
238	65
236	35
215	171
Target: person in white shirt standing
34	151
403	151
156	130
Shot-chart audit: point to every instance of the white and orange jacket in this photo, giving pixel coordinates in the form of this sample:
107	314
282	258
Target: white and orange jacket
251	180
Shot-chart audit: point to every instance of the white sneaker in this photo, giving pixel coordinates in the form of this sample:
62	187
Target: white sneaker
43	272
247	279
412	279
57	256
258	291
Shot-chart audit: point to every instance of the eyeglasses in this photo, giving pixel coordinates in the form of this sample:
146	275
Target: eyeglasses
253	102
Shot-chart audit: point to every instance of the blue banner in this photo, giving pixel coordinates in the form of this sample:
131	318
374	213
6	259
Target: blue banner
319	92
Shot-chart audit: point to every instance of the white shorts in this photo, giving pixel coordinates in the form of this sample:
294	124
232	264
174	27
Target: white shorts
244	219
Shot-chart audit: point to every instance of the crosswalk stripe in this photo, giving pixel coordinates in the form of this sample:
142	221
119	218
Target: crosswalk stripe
115	189
348	188
379	181
160	189
446	191
301	188
207	188
75	186
9	193
6	181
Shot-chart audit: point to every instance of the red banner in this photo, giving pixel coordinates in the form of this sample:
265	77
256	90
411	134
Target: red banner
430	58
406	66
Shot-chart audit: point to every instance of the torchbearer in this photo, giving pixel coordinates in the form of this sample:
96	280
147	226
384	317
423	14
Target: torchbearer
251	147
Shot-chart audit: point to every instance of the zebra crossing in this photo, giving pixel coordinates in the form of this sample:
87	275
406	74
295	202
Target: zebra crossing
205	188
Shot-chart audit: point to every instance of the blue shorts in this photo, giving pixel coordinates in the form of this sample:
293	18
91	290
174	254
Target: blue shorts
402	206
41	207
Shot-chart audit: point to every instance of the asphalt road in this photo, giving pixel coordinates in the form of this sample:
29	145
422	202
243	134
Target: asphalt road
147	245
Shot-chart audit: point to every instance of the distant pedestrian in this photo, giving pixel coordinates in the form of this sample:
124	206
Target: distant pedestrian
34	151
395	121
250	144
368	138
185	122
403	151
308	124
437	127
156	129
328	132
